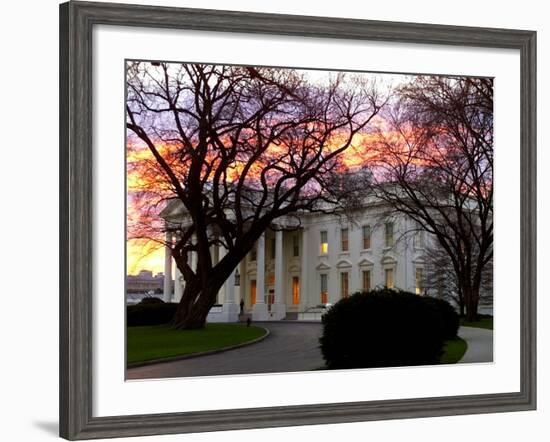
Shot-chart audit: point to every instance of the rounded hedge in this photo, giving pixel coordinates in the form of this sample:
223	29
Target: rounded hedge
381	328
151	300
449	316
150	314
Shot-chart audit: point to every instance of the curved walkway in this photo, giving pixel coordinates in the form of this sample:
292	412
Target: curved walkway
480	344
289	347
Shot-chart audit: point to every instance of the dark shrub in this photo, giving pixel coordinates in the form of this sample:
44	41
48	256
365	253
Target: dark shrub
151	300
150	314
449	316
381	328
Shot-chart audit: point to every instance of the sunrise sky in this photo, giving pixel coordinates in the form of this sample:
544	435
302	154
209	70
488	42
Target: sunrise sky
142	255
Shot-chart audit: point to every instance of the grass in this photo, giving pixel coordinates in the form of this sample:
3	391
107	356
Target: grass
160	341
453	351
485	322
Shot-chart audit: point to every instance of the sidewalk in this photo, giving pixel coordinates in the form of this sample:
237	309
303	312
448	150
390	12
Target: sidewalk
480	344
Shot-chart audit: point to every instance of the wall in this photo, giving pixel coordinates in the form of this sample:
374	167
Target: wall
29	182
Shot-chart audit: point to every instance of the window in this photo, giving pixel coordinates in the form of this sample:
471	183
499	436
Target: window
324	288
419	239
366	237
366	280
344	240
388	280
344	284
254	253
272	249
419	276
295	290
253	291
295	246
389	234
324	242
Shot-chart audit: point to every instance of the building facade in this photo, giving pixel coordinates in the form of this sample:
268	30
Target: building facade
294	272
144	282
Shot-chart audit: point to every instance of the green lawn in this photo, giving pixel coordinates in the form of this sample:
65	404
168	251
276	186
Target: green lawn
453	351
161	341
482	322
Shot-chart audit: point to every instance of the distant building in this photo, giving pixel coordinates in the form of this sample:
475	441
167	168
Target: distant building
145	282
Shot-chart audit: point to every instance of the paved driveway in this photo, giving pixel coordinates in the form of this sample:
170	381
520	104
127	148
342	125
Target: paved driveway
480	344
289	347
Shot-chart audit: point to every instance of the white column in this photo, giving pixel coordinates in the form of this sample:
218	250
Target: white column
230	309
217	253
304	302
194	261
167	289
279	307
178	285
242	285
259	311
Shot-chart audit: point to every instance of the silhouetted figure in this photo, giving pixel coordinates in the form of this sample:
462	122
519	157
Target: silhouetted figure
248	321
242	306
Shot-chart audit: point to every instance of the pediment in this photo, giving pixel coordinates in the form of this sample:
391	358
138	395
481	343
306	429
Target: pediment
344	263
388	260
294	268
365	263
322	266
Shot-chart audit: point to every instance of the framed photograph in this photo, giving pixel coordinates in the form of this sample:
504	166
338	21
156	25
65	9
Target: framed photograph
271	220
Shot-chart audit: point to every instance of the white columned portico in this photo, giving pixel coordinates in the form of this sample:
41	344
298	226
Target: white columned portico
303	271
167	287
259	310
279	307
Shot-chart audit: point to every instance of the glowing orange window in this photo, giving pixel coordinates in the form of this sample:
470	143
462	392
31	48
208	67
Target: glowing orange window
295	290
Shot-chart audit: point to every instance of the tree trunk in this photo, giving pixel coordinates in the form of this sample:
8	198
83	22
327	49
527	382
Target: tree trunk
195	304
472	302
462	308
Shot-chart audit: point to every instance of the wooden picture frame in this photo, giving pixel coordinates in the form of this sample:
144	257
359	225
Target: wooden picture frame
76	243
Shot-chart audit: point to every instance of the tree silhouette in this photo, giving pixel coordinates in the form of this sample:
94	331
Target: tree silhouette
436	166
234	149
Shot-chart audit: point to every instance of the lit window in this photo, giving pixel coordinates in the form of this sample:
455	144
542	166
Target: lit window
389	234
324	288
295	246
344	240
252	291
366	237
324	242
419	275
295	290
388	278
344	284
366	280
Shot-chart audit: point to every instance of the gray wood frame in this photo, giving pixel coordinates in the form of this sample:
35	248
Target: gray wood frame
76	22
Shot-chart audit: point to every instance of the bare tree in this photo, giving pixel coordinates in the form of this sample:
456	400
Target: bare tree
435	165
441	279
238	148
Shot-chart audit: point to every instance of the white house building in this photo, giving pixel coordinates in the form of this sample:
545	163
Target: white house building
293	272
